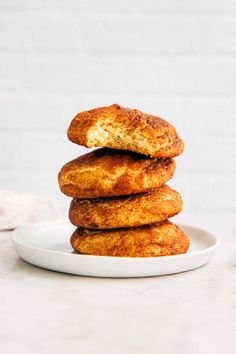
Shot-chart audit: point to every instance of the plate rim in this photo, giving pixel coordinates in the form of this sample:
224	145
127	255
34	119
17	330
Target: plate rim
114	258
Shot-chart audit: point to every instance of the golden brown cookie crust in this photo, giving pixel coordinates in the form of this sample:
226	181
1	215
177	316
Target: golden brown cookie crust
156	240
108	172
122	128
127	211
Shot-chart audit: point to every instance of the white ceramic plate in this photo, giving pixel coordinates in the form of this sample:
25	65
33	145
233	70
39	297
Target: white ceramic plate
47	245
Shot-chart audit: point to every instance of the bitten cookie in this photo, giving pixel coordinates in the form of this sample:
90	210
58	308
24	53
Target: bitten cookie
122	128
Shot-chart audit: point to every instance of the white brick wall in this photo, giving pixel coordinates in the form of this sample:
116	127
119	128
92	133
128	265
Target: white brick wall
174	59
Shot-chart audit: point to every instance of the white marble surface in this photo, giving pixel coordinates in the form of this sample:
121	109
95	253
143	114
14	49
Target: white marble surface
193	312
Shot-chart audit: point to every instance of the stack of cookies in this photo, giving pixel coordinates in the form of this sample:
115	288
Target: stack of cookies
121	204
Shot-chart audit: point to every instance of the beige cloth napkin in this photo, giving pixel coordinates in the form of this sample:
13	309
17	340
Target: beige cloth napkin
17	209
